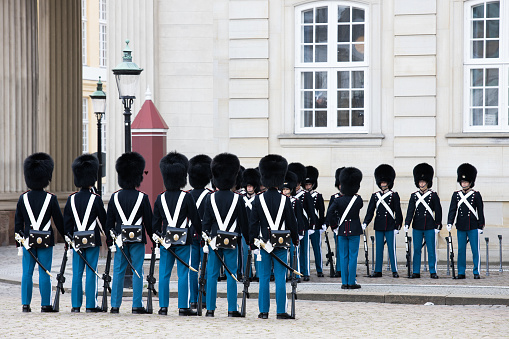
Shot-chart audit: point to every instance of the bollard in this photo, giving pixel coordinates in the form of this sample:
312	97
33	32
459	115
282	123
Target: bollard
487	257
372	253
500	249
448	251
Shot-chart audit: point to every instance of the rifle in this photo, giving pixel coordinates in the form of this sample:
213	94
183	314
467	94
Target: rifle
118	240
408	245
208	241
451	256
366	254
247	274
329	256
151	280
61	281
294	283
68	238
202	281
107	280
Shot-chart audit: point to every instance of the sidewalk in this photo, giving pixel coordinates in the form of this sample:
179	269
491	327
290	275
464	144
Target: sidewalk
489	290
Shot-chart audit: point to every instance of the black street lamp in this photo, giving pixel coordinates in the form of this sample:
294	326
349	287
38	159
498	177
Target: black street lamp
127	74
99	105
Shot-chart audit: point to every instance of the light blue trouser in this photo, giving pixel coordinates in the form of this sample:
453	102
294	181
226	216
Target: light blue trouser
338	257
45	256
430	237
166	262
136	252
91	254
304	254
473	235
316	242
349	250
279	279
390	236
196	259
213	268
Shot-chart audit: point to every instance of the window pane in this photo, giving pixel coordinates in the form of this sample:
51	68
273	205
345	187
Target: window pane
476	79
357	33
321	34
343	118
492	28
477	49
307	16
491	77
343	99
344	79
307	80
307	53
492	49
477	117
357	99
343	33
493	9
343	14
321	15
358	15
343	53
478	11
357	79
491	117
321	80
357	118
477	98
491	95
358	52
478	29
321	119
308	99
308	119
307	34
321	54
321	100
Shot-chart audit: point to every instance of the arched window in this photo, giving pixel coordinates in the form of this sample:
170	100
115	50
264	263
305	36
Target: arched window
331	67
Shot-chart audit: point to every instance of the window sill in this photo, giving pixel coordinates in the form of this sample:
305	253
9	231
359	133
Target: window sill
477	139
331	140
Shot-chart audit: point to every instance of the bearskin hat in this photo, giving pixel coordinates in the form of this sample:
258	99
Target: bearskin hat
225	168
130	167
290	181
85	169
300	170
424	172
338	172
38	169
199	171
273	168
251	177
312	176
350	179
468	173
385	173
174	168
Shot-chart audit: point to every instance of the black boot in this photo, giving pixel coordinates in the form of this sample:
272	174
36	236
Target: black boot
94	310
48	308
194	305
284	316
26	308
75	310
234	314
415	276
114	310
460	276
210	313
163	311
319	274
306	278
263	315
395	275
477	276
187	312
139	310
433	276
376	275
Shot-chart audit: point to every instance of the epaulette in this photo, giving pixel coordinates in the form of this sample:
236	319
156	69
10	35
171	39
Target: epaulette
162	192
73	193
96	194
116	191
210	191
25	192
142	192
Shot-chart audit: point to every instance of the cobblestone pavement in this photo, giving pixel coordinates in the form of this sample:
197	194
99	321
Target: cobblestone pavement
314	319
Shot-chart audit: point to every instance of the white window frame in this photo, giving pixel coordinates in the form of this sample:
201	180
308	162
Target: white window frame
103	31
85	123
501	63
332	67
84	31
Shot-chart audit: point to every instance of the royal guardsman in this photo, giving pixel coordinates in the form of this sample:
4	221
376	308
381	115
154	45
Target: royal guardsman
348	226
84	216
199	177
33	231
224	221
309	216
251	185
467	209
173	210
337	184
425	214
385	206
128	217
273	228
310	185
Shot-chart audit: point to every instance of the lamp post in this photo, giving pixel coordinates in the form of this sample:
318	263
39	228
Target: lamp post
99	104
127	74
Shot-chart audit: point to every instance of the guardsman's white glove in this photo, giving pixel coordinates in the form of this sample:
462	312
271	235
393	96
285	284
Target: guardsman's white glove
311	232
405	228
364	226
206	248
480	231
437	231
449	227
